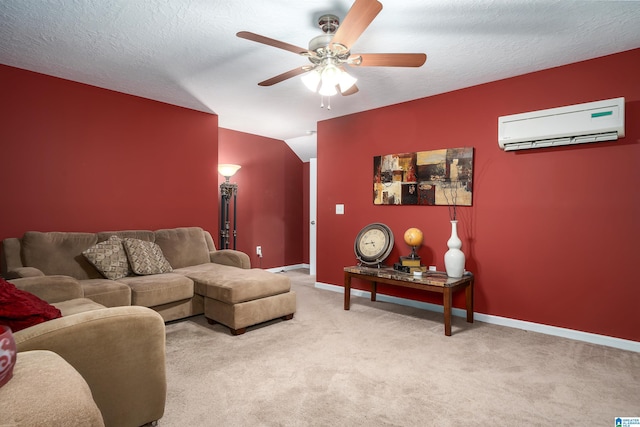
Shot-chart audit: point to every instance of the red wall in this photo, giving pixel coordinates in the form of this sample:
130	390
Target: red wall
552	233
270	197
79	158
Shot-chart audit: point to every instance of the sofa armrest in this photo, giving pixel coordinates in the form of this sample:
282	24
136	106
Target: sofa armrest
230	257
119	351
19	272
51	288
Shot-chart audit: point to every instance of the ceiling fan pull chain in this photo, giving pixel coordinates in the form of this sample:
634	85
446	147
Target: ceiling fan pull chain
321	101
329	103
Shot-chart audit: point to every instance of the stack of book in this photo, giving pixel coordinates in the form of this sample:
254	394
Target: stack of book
409	265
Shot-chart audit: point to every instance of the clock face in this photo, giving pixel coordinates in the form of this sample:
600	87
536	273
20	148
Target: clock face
373	244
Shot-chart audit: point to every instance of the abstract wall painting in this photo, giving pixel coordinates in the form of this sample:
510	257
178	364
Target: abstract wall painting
433	178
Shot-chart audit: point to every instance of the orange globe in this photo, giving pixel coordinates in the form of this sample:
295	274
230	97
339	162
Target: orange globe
413	237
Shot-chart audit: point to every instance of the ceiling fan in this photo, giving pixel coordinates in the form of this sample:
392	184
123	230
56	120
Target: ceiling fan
330	52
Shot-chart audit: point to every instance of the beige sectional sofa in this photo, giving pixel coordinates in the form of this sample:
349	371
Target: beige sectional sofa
197	279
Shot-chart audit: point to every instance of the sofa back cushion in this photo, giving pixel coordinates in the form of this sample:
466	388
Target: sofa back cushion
210	243
59	253
11	254
146	235
183	247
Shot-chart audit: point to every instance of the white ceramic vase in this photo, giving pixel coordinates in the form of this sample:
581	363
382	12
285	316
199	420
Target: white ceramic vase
454	258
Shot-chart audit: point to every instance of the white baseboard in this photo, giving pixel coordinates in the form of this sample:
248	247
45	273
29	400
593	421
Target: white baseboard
497	320
287	268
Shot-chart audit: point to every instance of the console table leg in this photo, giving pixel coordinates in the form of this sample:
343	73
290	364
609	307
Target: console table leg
446	296
469	294
374	290
347	291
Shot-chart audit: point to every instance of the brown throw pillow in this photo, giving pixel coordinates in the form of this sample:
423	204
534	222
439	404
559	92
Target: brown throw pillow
146	257
109	258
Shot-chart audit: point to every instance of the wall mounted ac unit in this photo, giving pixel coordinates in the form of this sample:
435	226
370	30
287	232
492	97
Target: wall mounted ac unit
574	124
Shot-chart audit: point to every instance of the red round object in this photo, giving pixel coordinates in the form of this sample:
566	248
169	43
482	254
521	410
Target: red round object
8	354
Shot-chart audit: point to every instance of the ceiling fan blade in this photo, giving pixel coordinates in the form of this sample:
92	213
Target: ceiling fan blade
271	42
353	89
392	59
361	14
284	76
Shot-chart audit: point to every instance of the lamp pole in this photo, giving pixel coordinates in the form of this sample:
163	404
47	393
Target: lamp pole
226	191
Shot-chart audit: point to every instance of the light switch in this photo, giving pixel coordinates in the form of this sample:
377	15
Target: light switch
339	209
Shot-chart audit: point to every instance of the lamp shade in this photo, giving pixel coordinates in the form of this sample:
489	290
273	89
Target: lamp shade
228	170
346	81
311	80
330	75
327	89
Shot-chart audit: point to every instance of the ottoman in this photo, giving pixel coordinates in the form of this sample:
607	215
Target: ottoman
238	298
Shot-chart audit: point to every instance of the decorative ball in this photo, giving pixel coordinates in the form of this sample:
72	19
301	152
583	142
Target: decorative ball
413	237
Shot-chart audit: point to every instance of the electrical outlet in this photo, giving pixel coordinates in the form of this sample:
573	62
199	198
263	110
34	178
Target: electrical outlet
259	251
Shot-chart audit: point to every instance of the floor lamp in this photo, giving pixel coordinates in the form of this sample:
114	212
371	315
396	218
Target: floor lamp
227	190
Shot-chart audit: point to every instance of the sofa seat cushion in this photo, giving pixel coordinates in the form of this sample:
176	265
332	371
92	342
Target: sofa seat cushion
157	289
200	268
77	305
109	293
234	285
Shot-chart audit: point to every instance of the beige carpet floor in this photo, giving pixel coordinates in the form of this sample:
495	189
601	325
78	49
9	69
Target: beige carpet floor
382	364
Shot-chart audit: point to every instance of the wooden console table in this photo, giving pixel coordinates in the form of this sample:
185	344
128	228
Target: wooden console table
432	281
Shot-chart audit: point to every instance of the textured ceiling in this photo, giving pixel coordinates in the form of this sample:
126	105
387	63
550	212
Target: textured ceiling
185	52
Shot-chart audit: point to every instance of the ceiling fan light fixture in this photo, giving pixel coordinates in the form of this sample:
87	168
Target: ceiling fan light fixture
330	75
327	89
346	81
325	79
311	80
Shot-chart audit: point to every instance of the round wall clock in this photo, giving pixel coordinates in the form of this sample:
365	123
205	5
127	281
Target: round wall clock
373	244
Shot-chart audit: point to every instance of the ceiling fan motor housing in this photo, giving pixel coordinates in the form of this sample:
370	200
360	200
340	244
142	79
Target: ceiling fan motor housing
328	23
320	43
